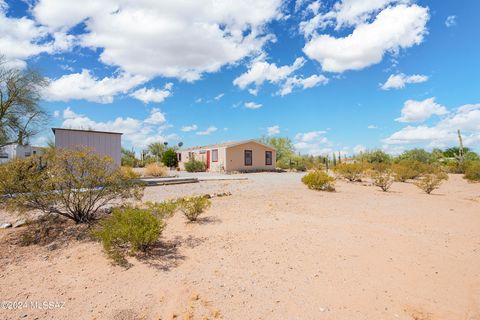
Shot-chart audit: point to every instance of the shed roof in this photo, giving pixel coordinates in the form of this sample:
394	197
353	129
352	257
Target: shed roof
227	145
81	130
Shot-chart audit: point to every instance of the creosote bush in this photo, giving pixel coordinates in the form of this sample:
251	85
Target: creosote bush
431	181
127	231
350	171
382	176
192	207
75	184
195	166
155	170
472	171
319	180
164	209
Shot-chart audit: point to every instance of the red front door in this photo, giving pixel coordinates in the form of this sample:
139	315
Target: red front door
208	159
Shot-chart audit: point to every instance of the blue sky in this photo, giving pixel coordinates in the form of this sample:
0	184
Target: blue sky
337	76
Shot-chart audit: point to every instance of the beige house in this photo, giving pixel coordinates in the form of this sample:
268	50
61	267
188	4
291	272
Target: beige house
239	156
100	142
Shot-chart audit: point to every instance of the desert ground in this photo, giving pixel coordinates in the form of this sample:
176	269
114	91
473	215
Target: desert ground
272	250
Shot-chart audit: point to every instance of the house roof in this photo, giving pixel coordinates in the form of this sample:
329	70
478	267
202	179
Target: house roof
227	145
80	130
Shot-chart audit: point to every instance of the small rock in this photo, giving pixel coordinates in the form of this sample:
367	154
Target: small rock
19	223
52	246
6	225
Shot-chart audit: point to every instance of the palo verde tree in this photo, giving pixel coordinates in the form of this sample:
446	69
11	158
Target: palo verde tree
75	184
21	116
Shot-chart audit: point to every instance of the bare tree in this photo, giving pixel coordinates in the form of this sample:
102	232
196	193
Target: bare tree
21	116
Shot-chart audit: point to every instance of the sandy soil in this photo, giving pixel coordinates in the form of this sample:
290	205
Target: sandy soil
274	250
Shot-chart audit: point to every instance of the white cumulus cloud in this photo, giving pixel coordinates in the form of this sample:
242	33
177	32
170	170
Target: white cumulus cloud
313	142
169	38
451	21
261	71
207	131
444	133
419	111
304	83
394	28
152	95
253	105
192	127
137	133
273	130
398	81
84	85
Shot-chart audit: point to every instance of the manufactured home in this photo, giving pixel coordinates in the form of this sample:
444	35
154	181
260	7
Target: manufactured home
100	142
241	156
14	151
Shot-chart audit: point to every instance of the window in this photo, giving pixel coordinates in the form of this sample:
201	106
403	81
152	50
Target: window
3	155
27	154
248	157
215	155
179	157
268	158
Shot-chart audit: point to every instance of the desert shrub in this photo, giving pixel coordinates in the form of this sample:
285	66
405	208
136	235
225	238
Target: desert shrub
127	231
431	181
411	169
374	156
419	155
164	209
319	180
129	173
155	170
472	171
192	207
454	166
75	184
350	171
169	158
195	166
128	158
382	177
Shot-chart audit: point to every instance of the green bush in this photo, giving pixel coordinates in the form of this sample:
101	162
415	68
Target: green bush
169	158
472	171
192	207
382	177
319	180
350	171
431	181
164	209
128	230
195	166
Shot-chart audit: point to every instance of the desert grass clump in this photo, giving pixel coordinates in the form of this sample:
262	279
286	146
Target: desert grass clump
382	177
350	171
155	170
319	180
129	173
192	207
431	181
127	231
472	171
164	209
